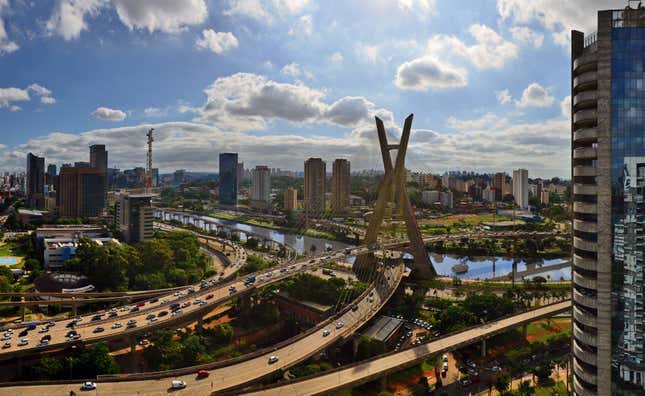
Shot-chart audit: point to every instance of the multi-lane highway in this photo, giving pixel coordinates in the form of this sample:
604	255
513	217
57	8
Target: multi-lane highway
249	368
372	369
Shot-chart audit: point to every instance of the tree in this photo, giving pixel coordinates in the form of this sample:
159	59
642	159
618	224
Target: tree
543	371
501	383
525	389
368	347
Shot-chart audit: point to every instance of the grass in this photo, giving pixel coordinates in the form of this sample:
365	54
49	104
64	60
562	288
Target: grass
463	220
544	330
559	387
8	249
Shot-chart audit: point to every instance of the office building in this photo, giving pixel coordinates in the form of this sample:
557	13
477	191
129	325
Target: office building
261	187
133	216
447	199
178	176
99	160
290	199
489	194
35	186
521	188
81	192
240	173
315	186
340	185
228	179
499	182
608	169
430	197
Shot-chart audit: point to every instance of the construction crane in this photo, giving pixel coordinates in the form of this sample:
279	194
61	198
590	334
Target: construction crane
148	180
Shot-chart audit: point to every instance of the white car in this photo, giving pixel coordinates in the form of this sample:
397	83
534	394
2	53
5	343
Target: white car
340	325
273	359
117	325
23	342
325	333
88	385
177	384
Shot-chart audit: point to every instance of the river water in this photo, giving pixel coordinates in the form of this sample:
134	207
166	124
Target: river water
478	267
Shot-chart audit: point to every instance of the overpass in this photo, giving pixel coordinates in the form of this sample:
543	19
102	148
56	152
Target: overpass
372	369
222	381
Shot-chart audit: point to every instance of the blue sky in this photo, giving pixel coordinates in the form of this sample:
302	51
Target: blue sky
281	80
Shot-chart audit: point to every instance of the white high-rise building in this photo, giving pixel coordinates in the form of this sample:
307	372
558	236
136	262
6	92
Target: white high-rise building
521	188
261	187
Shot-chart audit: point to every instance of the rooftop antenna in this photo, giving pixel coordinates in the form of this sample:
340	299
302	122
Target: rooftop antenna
148	176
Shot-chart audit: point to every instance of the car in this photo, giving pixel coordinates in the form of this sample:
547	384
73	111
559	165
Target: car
273	359
340	325
98	330
43	343
135	309
131	325
6	345
112	314
154	300
141	304
71	333
151	316
6	337
444	357
176	312
23	342
202	374
31	326
51	324
44	329
209	296
47	337
117	325
23	333
354	307
144	342
325	333
162	313
465	382
177	384
88	386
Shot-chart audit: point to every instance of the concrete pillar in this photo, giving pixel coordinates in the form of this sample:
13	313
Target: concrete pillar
74	307
525	329
22	308
384	382
200	325
484	347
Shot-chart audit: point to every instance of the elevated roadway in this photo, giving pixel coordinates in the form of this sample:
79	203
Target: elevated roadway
380	366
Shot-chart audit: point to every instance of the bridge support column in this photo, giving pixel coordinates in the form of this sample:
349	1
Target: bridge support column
74	307
384	382
200	325
22	308
525	329
483	347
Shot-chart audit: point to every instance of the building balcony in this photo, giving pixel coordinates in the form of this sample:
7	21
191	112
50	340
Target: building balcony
587	117
585	375
584	171
585	226
585	207
585	189
583	336
584	281
585	153
585	135
584	318
586	62
580	390
585	263
585	99
587	301
585	81
583	244
585	356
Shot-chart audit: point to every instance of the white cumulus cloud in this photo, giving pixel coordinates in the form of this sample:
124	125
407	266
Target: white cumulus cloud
107	114
525	35
216	42
336	58
163	15
69	17
253	9
291	69
424	73
6	46
504	96
535	96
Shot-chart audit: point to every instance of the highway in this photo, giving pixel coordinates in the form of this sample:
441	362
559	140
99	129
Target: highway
249	368
372	369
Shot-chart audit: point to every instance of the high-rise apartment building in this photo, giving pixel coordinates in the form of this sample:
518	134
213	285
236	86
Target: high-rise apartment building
340	185
35	187
81	192
179	176
608	171
261	187
521	188
290	199
315	186
133	216
228	179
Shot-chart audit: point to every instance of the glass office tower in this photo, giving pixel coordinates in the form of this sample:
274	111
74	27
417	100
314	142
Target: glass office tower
608	170
228	179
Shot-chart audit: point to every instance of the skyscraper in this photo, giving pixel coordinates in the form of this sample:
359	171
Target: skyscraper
499	182
521	188
133	216
340	185
99	160
261	187
35	187
290	199
81	192
608	171
315	186
228	179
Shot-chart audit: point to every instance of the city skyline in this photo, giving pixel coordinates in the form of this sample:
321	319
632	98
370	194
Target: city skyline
323	98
